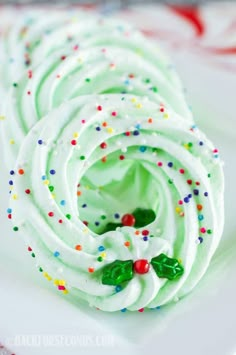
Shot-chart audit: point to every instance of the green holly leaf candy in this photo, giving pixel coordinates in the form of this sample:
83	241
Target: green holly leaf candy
166	267
143	217
117	272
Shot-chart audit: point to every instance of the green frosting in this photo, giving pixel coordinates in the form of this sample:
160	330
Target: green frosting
121	139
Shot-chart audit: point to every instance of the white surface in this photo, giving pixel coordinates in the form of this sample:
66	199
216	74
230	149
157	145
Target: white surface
203	323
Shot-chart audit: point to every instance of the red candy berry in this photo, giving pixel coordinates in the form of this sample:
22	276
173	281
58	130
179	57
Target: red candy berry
128	220
103	145
141	266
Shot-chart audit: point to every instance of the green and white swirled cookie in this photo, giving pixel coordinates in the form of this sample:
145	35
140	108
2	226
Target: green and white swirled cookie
120	200
117	193
109	58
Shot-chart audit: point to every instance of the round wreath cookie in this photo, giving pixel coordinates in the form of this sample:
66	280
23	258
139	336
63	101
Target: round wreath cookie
127	64
120	201
31	36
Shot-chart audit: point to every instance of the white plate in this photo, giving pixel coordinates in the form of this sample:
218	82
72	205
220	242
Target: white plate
34	319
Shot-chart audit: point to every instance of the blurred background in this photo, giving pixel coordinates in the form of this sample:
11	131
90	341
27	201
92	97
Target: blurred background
117	3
